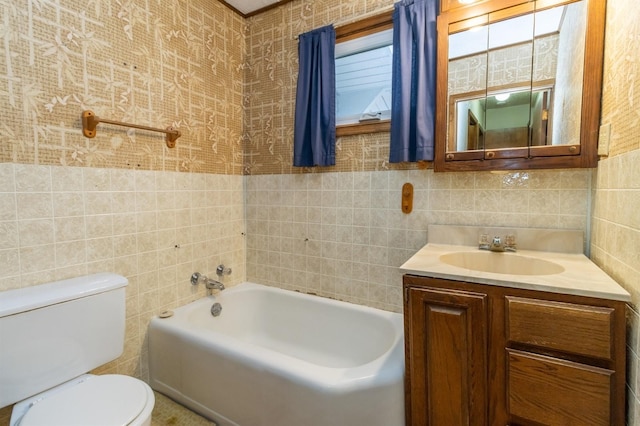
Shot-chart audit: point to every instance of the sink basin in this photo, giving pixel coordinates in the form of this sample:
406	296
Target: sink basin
501	263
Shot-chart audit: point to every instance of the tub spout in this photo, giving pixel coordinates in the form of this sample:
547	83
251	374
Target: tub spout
213	284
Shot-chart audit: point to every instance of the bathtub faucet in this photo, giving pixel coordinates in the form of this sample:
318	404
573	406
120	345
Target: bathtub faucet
197	278
213	284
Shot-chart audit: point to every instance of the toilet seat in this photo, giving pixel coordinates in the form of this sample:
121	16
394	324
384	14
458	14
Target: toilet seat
109	400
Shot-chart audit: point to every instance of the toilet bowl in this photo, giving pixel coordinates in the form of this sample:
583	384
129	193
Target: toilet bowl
107	400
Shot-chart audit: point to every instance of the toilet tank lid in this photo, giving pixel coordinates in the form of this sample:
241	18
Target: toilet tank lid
39	296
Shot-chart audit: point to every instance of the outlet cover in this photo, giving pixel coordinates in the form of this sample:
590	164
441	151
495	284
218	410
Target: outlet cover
603	140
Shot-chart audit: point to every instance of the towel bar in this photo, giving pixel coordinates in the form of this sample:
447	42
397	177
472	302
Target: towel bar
90	121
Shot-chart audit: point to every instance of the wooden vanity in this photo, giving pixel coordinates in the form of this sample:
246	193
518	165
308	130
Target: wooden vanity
478	354
494	352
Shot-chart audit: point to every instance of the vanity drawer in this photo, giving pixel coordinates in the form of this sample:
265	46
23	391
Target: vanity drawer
567	327
552	391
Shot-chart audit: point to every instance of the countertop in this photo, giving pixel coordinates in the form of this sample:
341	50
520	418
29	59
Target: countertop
580	277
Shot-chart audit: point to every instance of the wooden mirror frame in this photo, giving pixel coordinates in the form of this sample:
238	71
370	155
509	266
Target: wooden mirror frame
584	155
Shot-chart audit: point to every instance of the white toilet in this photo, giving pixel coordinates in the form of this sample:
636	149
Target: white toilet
51	335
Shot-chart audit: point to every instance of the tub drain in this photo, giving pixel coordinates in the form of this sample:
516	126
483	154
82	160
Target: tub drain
166	314
216	309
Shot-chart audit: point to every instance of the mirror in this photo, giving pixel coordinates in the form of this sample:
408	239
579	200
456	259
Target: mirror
516	85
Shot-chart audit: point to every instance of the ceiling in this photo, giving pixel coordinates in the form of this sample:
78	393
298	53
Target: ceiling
248	8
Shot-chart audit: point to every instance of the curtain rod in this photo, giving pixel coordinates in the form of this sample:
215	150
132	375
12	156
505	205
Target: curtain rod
358	18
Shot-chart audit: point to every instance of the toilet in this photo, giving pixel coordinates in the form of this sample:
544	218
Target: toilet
52	335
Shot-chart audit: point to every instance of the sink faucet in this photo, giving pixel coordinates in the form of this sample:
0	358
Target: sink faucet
497	244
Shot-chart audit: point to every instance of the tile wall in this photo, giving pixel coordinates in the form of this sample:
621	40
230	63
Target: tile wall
615	242
615	247
155	228
343	235
70	205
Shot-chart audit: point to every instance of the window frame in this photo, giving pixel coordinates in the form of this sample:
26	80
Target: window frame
362	28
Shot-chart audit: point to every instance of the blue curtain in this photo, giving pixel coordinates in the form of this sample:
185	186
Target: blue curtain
314	137
413	84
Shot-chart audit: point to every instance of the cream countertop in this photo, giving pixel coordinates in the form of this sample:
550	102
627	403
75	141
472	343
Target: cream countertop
580	276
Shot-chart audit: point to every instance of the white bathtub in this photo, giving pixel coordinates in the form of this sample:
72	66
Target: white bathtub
280	358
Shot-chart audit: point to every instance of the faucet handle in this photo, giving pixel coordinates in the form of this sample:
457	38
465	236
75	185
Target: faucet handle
222	270
483	242
510	242
196	277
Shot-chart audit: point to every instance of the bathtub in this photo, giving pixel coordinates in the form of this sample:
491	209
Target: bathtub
281	358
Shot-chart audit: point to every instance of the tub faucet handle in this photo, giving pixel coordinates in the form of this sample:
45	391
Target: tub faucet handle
196	277
222	270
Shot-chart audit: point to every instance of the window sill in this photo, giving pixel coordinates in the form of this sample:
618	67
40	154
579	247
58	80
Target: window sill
362	128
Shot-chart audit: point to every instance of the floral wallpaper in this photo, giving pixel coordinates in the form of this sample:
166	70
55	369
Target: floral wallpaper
156	63
621	76
272	68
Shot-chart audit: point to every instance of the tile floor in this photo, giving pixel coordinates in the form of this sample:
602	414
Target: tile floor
169	413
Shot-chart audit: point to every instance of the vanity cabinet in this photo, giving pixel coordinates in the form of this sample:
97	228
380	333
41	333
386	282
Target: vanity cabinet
481	354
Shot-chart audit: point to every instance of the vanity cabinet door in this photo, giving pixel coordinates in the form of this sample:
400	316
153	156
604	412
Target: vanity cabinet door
446	357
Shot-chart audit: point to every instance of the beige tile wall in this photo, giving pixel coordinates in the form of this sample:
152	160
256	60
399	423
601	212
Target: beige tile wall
615	247
615	243
155	228
70	205
343	235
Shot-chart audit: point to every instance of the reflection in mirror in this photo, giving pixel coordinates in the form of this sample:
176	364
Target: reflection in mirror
467	81
517	83
569	71
510	59
502	120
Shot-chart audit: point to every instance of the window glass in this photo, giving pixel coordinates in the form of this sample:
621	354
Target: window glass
363	78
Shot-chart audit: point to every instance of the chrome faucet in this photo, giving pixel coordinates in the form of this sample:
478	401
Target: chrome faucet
210	284
213	284
496	244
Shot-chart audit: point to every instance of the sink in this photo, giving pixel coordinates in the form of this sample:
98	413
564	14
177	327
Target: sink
501	263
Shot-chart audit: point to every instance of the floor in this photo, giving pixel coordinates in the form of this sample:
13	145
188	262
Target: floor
165	413
169	413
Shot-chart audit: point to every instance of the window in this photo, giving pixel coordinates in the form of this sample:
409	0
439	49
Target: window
363	78
363	75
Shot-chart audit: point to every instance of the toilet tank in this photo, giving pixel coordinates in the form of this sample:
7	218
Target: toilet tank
53	332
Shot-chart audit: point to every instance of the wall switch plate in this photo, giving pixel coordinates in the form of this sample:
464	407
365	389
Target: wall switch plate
603	140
